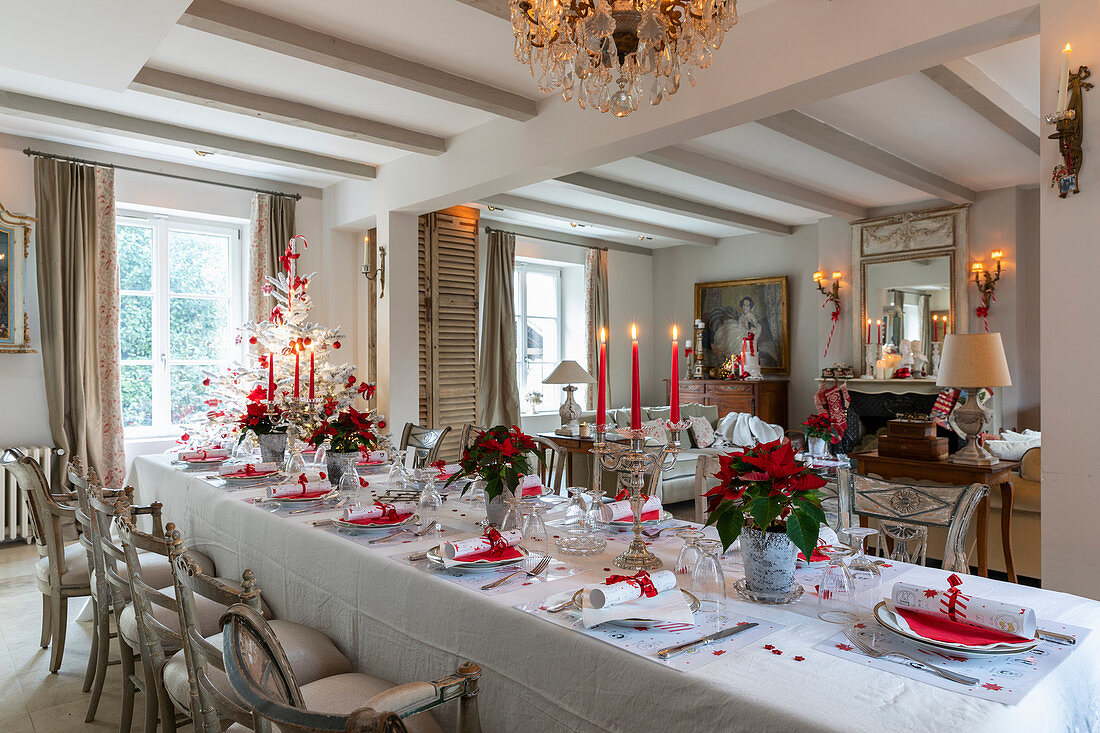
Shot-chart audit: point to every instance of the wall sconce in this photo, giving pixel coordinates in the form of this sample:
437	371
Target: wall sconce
1069	120
987	285
832	295
379	271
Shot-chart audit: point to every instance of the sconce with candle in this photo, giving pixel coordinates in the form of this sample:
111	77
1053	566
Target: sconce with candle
832	295
986	283
379	270
1069	120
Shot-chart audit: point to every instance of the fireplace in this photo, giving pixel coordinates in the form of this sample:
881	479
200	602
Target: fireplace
870	409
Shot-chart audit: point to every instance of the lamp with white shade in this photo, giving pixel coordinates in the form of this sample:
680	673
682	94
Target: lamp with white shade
972	361
569	373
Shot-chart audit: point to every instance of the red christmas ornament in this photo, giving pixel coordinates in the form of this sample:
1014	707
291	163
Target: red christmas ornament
308	341
252	340
336	344
381	424
206	382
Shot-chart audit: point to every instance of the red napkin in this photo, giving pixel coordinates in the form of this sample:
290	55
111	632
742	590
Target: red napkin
510	554
533	491
937	627
646	517
245	474
380	520
816	557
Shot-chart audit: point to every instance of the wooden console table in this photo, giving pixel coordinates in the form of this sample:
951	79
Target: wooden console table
764	398
959	474
574	445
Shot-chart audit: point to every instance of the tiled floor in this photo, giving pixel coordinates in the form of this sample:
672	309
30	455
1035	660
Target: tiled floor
31	699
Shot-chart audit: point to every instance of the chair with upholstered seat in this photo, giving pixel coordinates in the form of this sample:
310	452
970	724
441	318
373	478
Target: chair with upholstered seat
552	467
259	673
905	512
425	441
195	680
61	570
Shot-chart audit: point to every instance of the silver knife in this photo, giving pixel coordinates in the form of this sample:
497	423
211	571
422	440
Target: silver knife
680	648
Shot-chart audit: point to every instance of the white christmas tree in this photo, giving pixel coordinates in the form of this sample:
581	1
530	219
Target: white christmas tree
287	377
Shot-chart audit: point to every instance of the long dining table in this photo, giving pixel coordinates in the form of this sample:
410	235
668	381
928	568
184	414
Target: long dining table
396	621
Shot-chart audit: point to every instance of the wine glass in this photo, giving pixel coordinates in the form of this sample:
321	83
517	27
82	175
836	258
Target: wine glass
708	584
535	538
689	556
866	575
399	475
576	511
429	505
350	486
594	516
513	514
836	596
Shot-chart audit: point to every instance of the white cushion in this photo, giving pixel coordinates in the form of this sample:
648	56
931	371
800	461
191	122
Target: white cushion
1011	450
154	568
343	694
208	611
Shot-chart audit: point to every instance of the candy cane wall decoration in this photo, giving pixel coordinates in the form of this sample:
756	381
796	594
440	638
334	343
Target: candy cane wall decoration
832	295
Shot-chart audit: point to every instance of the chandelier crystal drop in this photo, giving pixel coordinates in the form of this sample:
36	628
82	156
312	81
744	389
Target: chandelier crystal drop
610	54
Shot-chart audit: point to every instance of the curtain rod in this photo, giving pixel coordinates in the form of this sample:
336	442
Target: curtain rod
82	161
545	239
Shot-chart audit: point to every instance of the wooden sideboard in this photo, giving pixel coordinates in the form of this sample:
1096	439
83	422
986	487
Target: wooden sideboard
767	399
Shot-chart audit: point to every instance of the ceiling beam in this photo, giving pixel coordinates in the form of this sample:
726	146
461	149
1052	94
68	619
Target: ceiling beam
981	102
280	36
631	194
745	179
88	118
551	235
216	96
828	139
508	202
499	8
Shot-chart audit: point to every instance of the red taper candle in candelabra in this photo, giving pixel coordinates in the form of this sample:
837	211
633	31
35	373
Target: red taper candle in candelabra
311	354
271	377
635	383
601	393
674	399
297	365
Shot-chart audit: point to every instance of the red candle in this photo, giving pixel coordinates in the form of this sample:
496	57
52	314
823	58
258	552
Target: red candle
271	377
297	362
868	330
878	331
635	384
311	372
674	400
601	398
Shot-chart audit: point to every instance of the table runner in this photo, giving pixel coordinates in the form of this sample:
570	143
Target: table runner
400	623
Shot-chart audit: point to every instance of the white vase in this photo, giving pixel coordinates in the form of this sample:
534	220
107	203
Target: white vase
818	447
272	447
769	561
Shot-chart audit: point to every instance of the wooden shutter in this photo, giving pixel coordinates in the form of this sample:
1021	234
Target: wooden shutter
448	322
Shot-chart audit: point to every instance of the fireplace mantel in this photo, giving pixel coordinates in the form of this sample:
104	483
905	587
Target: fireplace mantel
890	386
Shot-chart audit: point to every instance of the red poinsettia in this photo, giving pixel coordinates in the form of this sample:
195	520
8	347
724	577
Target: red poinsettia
819	426
258	418
766	488
499	456
349	431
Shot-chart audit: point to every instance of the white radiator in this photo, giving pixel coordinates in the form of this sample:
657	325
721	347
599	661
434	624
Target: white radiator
15	521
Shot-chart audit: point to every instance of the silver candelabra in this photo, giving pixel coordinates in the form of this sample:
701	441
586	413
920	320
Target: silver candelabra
632	462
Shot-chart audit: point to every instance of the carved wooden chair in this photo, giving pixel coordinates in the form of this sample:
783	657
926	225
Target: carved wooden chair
62	570
705	468
260	674
552	469
904	512
195	679
470	433
425	441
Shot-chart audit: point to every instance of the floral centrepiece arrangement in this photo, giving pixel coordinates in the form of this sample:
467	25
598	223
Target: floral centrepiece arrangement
349	431
819	426
257	419
766	489
499	457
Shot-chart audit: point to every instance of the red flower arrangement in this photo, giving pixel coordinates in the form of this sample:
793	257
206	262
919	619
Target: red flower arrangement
767	489
350	431
257	418
819	426
498	456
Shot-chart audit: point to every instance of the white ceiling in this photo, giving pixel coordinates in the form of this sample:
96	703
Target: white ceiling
910	117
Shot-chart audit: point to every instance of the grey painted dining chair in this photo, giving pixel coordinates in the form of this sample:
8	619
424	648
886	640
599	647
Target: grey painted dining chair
62	570
705	468
552	467
470	433
905	512
425	441
260	674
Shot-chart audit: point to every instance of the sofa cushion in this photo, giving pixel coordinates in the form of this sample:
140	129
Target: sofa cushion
658	413
701	431
655	431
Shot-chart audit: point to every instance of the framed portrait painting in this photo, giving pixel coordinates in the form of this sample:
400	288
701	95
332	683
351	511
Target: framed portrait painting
733	308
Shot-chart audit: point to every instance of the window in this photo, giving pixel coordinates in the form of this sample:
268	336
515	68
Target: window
181	286
537	291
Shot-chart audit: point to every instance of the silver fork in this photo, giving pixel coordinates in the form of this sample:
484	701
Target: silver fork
533	572
322	507
654	534
417	533
913	662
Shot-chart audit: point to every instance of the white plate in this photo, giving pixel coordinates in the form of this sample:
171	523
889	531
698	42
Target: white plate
883	616
303	500
252	480
629	522
693	604
355	527
435	557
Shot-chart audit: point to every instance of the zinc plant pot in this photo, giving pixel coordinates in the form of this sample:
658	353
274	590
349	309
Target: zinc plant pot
769	559
335	464
819	447
272	448
495	509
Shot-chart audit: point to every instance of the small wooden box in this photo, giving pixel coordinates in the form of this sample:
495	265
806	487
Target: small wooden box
919	449
911	428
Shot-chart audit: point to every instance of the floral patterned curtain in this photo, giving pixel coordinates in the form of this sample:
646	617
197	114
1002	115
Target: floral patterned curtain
595	313
259	256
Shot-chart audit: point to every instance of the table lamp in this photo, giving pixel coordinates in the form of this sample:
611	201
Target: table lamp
971	361
568	372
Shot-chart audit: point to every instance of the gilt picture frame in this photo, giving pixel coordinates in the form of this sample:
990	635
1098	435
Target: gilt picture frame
15	238
731	308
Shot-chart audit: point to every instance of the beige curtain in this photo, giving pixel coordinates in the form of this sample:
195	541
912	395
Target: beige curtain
78	303
596	314
271	225
497	388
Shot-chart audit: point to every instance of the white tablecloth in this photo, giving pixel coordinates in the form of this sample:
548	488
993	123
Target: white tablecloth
398	622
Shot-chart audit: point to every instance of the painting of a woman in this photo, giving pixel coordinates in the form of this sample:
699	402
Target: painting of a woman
733	309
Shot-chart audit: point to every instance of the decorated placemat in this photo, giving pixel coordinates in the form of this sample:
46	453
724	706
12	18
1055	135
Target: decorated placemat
1001	679
381	541
475	579
646	642
810	577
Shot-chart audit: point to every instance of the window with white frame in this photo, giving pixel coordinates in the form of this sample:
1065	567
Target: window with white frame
181	284
537	289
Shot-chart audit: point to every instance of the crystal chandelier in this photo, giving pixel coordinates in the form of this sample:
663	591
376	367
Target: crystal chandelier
610	53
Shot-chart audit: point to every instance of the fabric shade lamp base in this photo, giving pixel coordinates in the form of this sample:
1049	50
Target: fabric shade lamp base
970	418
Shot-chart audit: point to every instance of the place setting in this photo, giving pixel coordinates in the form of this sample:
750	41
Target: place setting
200	459
310	494
941	636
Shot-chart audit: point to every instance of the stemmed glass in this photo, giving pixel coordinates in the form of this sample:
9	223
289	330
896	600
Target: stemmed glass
350	486
535	538
576	511
513	515
866	575
689	556
836	595
429	506
594	516
399	475
708	583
